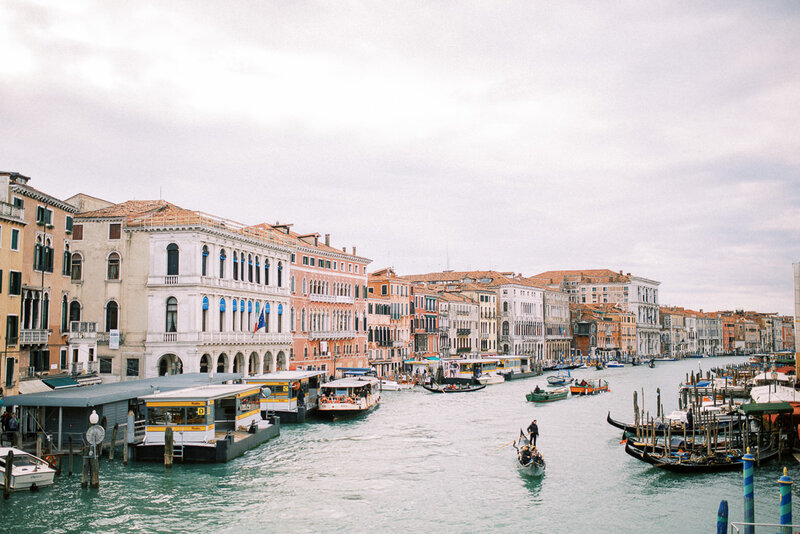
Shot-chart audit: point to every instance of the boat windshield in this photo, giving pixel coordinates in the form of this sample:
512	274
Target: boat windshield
23	460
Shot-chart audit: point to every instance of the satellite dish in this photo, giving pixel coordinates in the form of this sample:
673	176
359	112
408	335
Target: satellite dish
95	435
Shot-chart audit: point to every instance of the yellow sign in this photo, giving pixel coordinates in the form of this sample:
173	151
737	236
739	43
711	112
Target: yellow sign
201	411
164	404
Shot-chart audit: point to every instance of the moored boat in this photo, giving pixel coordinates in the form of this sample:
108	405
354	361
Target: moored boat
716	462
453	388
589	387
391	385
542	395
28	472
612	364
349	396
561	379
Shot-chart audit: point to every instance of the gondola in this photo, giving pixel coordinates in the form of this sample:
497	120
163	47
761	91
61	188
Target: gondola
529	464
638	450
452	388
661	428
705	464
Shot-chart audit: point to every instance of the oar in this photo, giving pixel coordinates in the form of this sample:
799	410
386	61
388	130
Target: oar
504	445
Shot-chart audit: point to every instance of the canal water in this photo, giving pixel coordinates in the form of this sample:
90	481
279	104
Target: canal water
421	462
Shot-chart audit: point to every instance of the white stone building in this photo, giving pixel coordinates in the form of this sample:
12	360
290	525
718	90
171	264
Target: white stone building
182	291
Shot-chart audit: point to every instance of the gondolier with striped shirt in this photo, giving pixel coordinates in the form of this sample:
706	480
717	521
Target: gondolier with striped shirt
533	431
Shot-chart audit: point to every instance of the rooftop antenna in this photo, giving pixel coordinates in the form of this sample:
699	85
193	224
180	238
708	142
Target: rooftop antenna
160	197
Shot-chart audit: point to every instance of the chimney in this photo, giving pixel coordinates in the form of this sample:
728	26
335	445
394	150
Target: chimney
344	249
620	271
327	240
354	251
629	274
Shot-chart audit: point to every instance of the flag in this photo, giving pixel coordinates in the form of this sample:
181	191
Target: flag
262	322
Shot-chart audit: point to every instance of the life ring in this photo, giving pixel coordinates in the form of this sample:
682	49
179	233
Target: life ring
296	386
51	460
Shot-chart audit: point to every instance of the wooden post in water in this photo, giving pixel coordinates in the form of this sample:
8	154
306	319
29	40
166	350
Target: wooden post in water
18	439
168	447
636	413
113	442
85	468
71	452
125	454
758	451
7	477
38	445
658	403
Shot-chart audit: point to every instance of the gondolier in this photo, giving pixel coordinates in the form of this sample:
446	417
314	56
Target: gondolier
533	432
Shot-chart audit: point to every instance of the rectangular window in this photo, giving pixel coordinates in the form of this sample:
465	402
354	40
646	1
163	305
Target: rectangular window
132	367
1	281
18	202
44	215
14	282
14	239
105	366
12	329
68	224
312	261
114	230
305	260
294	258
77	232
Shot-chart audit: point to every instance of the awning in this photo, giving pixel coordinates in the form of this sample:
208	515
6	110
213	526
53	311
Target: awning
759	408
33	386
60	382
433	358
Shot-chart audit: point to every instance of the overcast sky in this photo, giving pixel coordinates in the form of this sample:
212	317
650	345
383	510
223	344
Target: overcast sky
659	139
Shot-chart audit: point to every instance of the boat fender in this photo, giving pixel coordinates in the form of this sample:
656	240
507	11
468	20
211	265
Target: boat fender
51	460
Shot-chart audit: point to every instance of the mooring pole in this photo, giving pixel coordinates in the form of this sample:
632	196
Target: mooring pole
785	484
749	502
7	477
722	518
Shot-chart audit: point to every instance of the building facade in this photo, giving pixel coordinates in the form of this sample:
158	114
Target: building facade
171	291
386	284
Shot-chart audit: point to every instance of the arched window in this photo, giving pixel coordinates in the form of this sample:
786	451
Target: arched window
112	271
258	271
505	328
221	315
45	311
64	314
303	320
204	261
77	268
172	259
112	316
74	311
222	263
266	316
235	265
280	308
205	363
505	306
249	268
172	315
67	261
204	315
280	274
266	272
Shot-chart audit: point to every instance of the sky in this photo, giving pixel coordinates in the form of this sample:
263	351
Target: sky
657	138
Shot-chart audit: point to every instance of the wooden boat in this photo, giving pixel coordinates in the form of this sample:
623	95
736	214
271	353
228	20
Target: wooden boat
349	396
391	385
542	395
28	472
529	459
589	387
453	388
676	425
714	463
561	379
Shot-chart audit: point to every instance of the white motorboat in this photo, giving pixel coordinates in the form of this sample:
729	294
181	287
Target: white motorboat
391	385
27	471
490	378
613	364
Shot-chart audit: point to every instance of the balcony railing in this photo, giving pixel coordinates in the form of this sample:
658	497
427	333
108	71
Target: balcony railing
331	334
316	297
33	337
243	337
463	332
399	343
343	300
171	280
11	211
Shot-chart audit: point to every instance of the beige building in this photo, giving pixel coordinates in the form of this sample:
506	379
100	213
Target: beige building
12	225
45	285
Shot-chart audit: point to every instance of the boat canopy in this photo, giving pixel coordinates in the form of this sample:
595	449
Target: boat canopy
354	382
759	408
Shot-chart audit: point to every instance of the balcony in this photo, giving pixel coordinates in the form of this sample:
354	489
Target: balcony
10	211
103	337
33	337
464	350
343	300
237	337
81	330
78	368
316	297
463	332
399	343
330	334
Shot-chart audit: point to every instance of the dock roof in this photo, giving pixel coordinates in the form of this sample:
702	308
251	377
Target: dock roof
99	394
205	392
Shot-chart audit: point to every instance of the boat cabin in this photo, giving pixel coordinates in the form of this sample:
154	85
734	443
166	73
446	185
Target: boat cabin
198	414
293	394
510	364
473	368
349	395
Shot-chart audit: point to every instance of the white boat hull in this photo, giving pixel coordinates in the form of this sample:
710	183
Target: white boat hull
490	379
390	385
27	471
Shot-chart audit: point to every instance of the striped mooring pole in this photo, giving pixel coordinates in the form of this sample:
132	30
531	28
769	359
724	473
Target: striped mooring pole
749	502
785	484
722	518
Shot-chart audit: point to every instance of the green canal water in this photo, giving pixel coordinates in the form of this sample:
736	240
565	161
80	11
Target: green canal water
421	462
